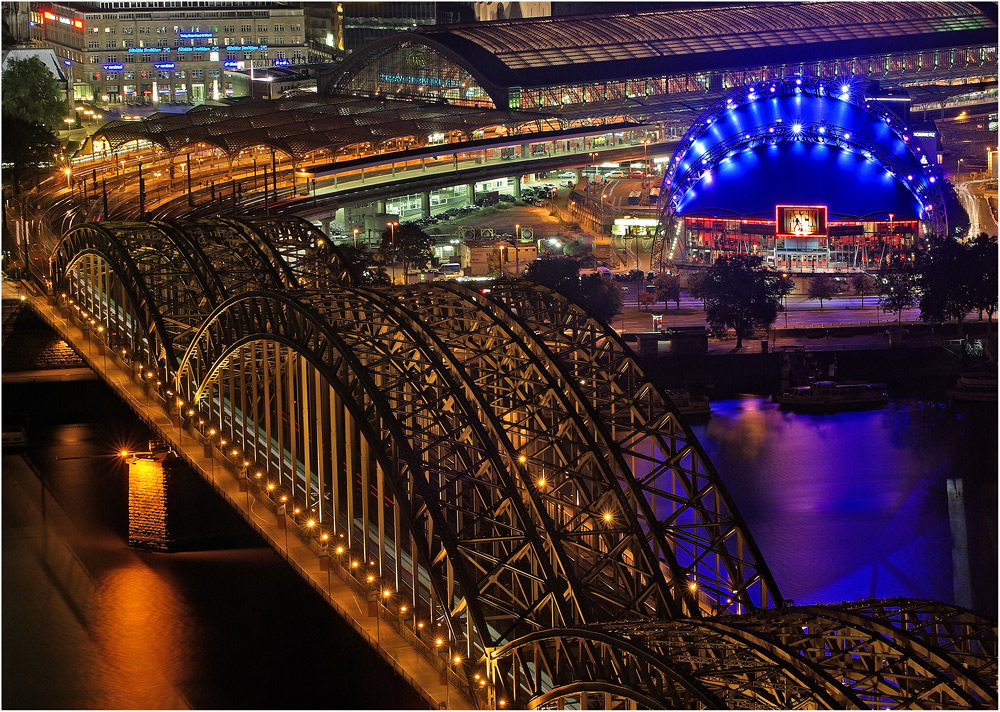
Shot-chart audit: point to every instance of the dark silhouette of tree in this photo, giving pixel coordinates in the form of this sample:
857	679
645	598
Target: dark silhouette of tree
948	274
822	287
363	261
32	94
897	285
597	294
742	294
695	282
668	288
647	298
863	284
26	146
984	256
600	296
410	245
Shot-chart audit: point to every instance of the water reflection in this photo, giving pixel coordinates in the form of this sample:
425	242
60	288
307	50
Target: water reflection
855	505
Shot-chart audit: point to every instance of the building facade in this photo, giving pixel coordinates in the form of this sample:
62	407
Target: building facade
167	52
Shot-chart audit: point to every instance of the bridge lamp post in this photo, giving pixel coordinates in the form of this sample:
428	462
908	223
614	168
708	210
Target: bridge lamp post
355	238
517	250
447	688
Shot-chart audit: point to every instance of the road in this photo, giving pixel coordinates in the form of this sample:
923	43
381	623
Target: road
974	196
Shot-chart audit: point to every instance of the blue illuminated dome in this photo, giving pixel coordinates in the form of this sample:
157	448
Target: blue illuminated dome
801	141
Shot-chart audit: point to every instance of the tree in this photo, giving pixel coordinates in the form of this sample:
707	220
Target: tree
695	283
668	288
897	286
984	256
408	244
742	294
647	298
26	145
600	296
595	293
32	94
863	284
948	274
822	287
364	264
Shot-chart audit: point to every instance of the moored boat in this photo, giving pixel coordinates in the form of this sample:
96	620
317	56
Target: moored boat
975	388
689	405
830	395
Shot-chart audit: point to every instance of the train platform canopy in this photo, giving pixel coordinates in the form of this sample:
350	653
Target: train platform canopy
801	142
300	125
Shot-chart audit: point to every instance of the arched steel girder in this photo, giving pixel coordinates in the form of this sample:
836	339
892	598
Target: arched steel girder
940	670
146	260
515	487
380	48
742	668
968	639
313	259
571	657
235	258
602	370
579	689
614	562
301	325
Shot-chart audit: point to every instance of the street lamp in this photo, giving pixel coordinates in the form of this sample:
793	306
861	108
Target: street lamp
517	250
392	241
355	238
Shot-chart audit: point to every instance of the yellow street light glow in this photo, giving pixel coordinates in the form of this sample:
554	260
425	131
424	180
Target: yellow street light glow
297	510
693	585
211	431
258	474
457	659
324	537
522	459
340	550
541	481
386	593
438	642
370	578
402	609
284	498
311	523
235	452
420	625
270	486
124	453
607	516
354	564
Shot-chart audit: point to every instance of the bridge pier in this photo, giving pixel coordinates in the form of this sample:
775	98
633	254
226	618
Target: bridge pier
425	204
148	502
471	190
517	188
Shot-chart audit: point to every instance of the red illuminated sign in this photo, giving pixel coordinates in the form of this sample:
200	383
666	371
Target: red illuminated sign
48	15
78	24
800	220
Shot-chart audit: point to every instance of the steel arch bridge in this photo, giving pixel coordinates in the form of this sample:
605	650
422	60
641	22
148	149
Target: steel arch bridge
499	460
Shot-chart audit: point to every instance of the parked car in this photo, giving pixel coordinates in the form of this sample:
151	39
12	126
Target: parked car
615	174
568	174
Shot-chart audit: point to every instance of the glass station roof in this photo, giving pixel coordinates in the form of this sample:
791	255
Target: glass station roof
527	47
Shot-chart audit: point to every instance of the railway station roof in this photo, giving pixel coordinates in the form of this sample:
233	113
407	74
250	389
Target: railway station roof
299	125
548	51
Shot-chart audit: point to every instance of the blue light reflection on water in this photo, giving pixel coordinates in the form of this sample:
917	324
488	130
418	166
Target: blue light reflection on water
854	505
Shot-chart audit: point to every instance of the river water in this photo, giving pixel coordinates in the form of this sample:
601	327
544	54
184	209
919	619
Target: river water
843	506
